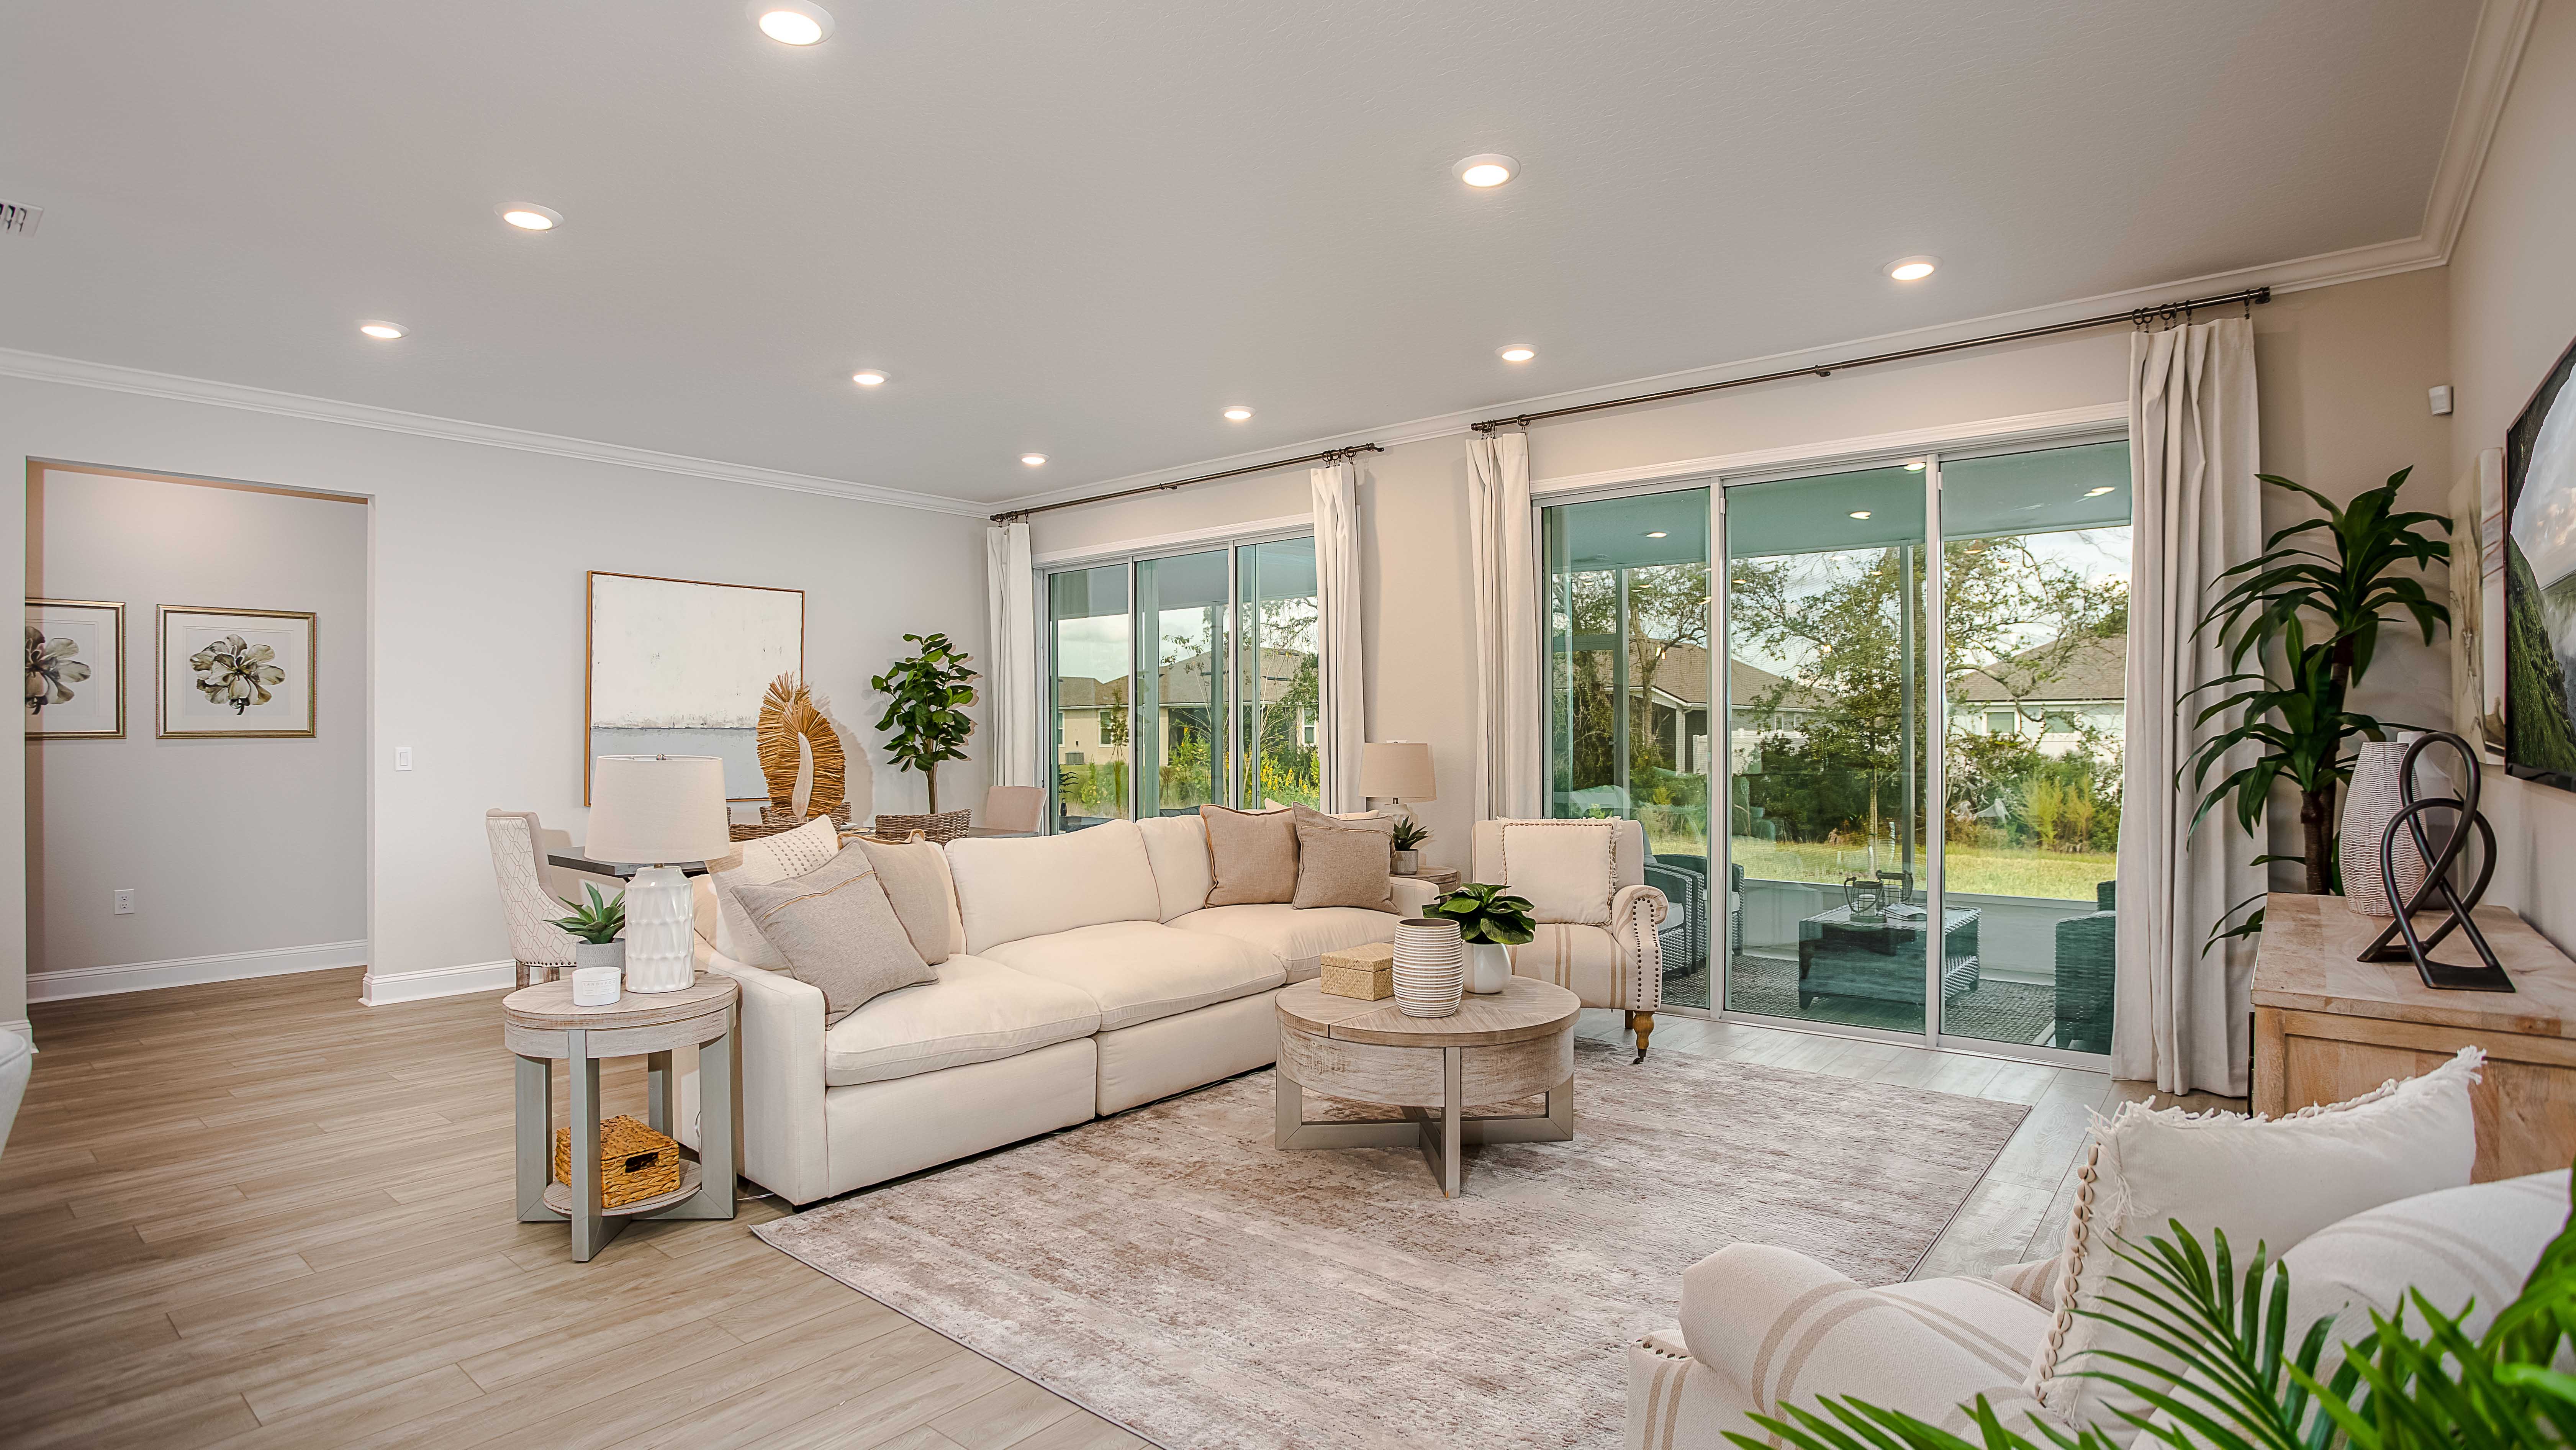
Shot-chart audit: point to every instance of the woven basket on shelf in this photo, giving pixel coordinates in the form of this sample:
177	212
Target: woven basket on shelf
945	826
774	819
634	1162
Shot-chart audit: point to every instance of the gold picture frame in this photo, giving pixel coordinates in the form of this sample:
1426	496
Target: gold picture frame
205	721
108	616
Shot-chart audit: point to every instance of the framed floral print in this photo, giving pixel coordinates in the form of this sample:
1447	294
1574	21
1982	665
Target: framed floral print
75	670
235	674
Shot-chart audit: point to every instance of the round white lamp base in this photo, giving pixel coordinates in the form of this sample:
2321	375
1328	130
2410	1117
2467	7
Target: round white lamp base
660	918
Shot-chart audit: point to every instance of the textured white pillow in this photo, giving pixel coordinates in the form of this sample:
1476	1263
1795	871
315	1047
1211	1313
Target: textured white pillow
1562	868
2459	1247
2268	1181
764	862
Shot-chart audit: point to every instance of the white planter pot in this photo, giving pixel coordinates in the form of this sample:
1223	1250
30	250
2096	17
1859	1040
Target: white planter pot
1489	968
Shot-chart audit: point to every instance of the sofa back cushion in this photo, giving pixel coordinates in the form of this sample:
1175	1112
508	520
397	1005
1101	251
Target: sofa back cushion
1251	854
1024	886
1178	848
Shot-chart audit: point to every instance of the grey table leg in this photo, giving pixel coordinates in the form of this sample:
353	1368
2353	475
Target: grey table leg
536	1137
1441	1138
591	1229
718	1156
658	1089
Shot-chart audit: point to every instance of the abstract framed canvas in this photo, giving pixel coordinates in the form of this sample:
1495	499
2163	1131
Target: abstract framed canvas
678	667
236	674
75	670
2540	583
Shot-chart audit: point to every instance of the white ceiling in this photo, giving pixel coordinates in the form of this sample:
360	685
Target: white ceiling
1084	229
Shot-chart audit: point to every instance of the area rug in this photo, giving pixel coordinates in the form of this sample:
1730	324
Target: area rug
1171	1271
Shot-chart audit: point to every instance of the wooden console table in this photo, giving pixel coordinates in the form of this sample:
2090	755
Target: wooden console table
2327	1027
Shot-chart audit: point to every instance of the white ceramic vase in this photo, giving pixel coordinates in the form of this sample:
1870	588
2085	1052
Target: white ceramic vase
2371	801
1489	968
1430	967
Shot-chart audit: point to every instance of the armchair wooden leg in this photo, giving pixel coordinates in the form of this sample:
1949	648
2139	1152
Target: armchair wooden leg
1643	1024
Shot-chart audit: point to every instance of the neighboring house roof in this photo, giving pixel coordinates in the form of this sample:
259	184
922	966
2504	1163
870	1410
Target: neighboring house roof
2096	670
1182	682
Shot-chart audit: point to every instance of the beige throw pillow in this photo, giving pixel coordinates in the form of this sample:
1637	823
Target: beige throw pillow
1343	862
1562	868
837	931
1252	855
915	876
759	863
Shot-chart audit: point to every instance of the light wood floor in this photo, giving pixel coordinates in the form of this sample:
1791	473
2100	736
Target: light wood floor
258	1213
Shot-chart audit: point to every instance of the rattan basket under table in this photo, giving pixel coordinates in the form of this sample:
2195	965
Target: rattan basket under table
541	1025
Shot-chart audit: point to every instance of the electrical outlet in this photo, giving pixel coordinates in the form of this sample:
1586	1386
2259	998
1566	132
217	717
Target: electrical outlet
402	757
125	901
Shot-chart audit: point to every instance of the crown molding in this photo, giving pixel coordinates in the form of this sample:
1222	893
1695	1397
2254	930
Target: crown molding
2495	54
44	368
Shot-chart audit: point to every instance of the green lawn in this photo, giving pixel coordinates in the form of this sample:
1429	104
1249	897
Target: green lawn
1978	870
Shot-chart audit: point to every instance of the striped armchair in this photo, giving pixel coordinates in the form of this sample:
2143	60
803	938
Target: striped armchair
1618	964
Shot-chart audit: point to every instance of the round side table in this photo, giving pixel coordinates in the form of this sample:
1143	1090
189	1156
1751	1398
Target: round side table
540	1024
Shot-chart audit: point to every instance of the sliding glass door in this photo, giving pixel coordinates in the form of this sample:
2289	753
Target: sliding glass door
1183	680
1907	822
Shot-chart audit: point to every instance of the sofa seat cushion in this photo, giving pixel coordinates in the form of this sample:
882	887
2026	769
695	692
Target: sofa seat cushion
1140	970
1585	960
1297	939
977	1011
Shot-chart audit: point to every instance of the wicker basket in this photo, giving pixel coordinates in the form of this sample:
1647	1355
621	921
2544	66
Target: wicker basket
945	826
774	819
634	1162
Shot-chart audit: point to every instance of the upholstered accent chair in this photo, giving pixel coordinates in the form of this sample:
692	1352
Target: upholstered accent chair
1597	940
541	948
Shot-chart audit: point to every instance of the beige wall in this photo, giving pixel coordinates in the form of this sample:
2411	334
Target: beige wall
2343	372
2512	311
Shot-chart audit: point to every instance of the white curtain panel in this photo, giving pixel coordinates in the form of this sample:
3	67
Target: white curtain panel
1344	725
1504	558
1010	665
2182	1015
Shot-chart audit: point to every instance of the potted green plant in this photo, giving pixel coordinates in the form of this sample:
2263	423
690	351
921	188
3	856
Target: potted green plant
1407	838
594	927
926	693
1491	923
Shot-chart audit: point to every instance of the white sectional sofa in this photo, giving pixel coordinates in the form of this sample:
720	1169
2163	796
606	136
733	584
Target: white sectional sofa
1086	976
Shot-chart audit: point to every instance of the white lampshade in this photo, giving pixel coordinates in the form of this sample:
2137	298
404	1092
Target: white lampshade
648	810
1396	770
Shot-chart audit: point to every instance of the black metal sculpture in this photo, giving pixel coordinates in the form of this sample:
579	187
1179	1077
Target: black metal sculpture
2438	863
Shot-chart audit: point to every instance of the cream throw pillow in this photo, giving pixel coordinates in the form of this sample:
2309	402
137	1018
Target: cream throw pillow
1343	862
836	930
915	876
1562	868
759	863
1252	855
2272	1181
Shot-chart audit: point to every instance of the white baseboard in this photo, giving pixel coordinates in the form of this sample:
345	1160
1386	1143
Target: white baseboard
386	987
73	982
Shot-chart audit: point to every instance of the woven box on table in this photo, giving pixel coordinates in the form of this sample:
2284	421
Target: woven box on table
1366	972
634	1162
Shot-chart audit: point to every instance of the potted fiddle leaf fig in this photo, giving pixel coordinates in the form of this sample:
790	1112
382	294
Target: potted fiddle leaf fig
1491	922
926	693
594	927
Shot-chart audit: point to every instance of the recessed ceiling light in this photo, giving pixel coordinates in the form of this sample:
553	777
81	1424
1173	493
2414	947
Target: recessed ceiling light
1914	468
1487	171
1912	269
867	377
1517	352
1033	459
1657	534
2098	492
381	331
529	218
792	22
1860	513
1237	413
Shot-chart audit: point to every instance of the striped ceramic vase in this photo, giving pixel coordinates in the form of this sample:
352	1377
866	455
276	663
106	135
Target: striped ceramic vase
1430	967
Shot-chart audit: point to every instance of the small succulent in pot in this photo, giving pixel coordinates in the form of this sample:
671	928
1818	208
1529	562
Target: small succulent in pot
1491	922
594	928
1409	834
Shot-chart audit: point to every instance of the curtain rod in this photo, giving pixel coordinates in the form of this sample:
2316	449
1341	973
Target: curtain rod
2136	317
1331	455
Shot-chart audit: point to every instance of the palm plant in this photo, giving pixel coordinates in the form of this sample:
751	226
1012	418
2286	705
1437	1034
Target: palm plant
923	694
2315	616
2231	1379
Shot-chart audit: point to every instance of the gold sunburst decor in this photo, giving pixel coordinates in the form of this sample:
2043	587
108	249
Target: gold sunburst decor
789	712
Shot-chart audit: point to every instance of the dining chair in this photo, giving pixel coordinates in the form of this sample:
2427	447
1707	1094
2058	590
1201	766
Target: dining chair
1013	807
540	947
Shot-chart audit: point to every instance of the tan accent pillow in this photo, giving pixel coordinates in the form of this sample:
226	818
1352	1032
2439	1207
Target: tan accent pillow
759	863
1252	855
837	931
1343	862
915	876
1562	868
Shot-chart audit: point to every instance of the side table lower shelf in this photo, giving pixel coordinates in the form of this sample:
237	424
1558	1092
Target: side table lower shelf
558	1196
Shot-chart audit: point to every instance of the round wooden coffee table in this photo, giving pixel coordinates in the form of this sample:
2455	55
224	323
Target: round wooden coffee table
1512	1044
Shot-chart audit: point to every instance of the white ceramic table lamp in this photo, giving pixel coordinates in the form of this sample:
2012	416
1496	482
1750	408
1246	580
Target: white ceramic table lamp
658	812
1397	770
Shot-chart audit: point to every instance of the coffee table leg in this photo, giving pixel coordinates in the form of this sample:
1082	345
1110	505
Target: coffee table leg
1440	1137
536	1136
1288	1110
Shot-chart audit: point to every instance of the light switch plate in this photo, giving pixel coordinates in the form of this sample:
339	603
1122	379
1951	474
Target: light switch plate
402	757
2441	399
